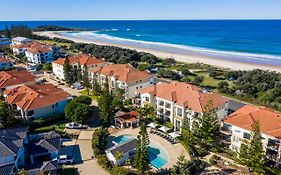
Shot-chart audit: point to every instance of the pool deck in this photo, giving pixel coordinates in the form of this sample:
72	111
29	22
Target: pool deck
173	150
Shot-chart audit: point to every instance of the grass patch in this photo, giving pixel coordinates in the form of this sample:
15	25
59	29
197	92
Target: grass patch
68	171
208	81
91	94
58	127
54	42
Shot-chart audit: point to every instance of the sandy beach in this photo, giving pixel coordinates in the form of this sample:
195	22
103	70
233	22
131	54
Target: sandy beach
187	58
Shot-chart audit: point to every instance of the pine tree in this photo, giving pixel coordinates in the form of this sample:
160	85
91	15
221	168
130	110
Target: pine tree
206	128
252	154
67	70
96	86
105	105
141	159
186	131
7	32
181	167
7	118
85	79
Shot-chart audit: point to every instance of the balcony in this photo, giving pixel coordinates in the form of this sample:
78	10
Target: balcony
273	147
226	141
226	131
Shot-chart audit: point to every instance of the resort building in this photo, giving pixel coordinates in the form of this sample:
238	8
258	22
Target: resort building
175	101
237	129
127	119
5	63
37	100
14	78
125	149
20	49
20	40
123	76
4	41
12	155
40	53
76	60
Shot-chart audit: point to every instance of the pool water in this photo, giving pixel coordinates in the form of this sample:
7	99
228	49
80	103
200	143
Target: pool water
121	139
156	156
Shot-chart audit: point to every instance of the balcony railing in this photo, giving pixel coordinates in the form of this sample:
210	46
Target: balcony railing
226	131
273	147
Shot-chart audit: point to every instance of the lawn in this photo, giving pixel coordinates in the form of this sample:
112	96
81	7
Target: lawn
208	81
54	42
91	94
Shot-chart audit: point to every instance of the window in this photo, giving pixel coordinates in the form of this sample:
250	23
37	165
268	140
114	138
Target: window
147	99
137	87
246	136
161	103
168	113
168	105
140	86
179	111
237	131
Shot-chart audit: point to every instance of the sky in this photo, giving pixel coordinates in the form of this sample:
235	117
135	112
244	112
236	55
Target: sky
139	9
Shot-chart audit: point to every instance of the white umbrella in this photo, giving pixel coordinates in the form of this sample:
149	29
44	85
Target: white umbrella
174	134
152	125
164	128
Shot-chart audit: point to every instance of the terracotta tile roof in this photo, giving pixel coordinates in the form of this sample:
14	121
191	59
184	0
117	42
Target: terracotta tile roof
131	116
4	60
35	96
82	59
39	48
20	46
270	121
185	95
122	72
15	77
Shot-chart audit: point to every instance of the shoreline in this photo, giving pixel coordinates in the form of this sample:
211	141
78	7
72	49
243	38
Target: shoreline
185	58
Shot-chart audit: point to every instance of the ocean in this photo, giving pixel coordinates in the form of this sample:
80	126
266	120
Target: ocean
253	41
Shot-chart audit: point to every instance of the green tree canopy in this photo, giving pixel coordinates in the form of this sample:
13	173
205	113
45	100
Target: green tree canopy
7	118
78	110
106	107
67	70
251	152
206	129
141	160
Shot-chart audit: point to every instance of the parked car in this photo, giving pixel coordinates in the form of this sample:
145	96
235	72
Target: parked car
73	125
64	159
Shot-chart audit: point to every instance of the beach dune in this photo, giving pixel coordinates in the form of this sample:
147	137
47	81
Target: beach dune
192	57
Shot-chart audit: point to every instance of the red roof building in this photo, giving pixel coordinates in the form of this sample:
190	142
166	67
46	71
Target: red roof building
38	100
14	78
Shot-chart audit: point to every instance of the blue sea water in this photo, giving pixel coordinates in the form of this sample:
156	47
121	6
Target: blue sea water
255	41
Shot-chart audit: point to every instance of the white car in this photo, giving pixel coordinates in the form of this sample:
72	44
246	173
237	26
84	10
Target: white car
64	159
73	125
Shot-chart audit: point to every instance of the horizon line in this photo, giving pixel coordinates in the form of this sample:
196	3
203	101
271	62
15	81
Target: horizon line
226	19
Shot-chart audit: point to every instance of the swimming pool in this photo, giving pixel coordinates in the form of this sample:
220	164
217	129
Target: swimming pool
156	154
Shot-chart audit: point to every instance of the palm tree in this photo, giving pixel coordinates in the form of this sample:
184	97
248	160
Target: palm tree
146	112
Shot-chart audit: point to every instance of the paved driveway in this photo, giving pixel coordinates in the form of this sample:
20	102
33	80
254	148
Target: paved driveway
81	150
